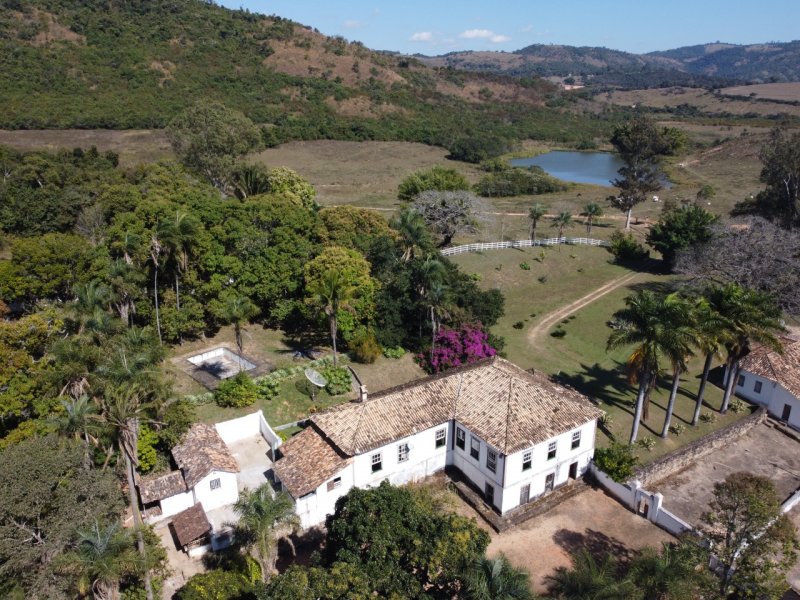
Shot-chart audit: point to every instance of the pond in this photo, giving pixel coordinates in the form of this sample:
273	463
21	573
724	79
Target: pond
597	168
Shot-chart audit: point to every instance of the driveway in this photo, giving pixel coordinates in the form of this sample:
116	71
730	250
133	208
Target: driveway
763	450
590	520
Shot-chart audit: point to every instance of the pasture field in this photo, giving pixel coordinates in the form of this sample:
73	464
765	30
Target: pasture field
787	92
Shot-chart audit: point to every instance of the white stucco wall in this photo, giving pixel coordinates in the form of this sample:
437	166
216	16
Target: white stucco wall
247	426
227	493
175	504
780	398
475	469
773	395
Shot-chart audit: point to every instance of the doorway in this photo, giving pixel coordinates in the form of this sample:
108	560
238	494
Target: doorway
787	410
489	490
573	471
549	482
524	494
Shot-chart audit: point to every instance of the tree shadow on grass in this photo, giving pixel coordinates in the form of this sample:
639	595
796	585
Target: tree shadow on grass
601	385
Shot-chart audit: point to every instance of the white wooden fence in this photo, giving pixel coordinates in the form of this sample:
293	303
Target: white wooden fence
479	247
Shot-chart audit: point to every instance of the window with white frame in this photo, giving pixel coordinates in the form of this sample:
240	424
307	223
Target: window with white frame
551	451
757	387
527	460
377	462
402	453
460	438
576	439
475	448
334	483
491	460
441	437
216	483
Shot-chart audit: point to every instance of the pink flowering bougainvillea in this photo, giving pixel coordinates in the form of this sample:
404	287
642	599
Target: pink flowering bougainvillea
457	347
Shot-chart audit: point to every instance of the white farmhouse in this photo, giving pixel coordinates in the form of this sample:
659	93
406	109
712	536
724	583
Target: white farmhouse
773	380
513	434
206	475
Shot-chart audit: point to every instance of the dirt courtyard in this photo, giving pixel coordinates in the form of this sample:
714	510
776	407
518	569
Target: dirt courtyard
763	450
590	520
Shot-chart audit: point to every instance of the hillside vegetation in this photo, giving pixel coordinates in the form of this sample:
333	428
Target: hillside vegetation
137	63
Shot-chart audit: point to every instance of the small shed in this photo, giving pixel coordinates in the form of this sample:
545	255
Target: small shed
191	528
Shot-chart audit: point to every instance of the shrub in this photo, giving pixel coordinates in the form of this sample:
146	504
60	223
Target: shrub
236	392
338	380
364	348
456	347
518	325
216	585
607	420
146	449
708	417
268	388
397	352
678	429
524	266
558	333
626	248
476	276
738	405
518	182
647	443
617	461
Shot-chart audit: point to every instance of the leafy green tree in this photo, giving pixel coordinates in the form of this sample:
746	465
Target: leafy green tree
40	512
340	581
496	579
101	558
641	145
208	138
440	179
561	221
217	584
591	212
353	227
535	214
680	228
237	391
591	579
284	182
617	461
754	542
261	513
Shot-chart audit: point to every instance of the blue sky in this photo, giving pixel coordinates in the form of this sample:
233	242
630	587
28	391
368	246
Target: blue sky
439	26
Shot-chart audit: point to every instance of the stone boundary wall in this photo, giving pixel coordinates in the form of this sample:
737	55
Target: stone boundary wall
683	457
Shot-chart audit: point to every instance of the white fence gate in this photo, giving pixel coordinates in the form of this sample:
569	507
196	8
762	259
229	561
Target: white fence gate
479	247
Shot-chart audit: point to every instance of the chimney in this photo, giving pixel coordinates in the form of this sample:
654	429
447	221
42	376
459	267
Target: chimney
362	389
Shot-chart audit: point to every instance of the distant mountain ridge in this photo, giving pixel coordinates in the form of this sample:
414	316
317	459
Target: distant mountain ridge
704	64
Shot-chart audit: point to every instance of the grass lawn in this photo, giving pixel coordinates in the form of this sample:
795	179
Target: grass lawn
579	359
293	401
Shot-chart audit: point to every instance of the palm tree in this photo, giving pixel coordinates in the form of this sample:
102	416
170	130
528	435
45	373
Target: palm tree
496	579
562	220
414	236
89	308
591	580
177	237
238	309
750	316
260	512
678	339
535	214
76	421
642	323
665	575
591	211
431	273
710	332
156	249
438	302
122	410
101	558
333	292
125	281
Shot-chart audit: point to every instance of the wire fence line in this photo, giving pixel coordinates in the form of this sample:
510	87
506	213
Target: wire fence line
479	247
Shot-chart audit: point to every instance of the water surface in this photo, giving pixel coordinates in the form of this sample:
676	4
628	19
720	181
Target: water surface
597	168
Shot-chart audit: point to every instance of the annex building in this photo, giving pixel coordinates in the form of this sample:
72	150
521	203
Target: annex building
514	434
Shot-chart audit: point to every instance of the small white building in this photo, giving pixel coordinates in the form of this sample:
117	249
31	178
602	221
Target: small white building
206	475
514	434
773	380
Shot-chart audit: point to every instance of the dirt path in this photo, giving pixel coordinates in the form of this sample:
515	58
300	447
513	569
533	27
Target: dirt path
543	326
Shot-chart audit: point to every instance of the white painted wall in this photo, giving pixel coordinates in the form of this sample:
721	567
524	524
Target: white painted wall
172	505
475	469
227	493
247	426
781	397
773	395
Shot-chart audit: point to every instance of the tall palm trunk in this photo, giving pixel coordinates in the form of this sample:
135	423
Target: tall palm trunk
733	375
701	392
676	379
637	415
177	292
137	517
334	327
433	331
155	294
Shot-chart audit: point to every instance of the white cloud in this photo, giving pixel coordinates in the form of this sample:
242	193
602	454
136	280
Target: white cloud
484	34
353	24
422	36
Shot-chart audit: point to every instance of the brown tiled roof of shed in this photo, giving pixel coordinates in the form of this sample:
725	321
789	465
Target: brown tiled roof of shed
201	452
508	407
783	369
308	461
162	486
190	525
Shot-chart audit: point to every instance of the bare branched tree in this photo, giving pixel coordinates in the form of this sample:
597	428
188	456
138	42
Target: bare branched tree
753	253
449	213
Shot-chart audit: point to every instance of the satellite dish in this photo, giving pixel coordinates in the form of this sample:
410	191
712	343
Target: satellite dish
315	377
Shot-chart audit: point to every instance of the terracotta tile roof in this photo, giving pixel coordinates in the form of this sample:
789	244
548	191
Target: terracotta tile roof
308	461
201	452
783	369
190	525
508	407
162	486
